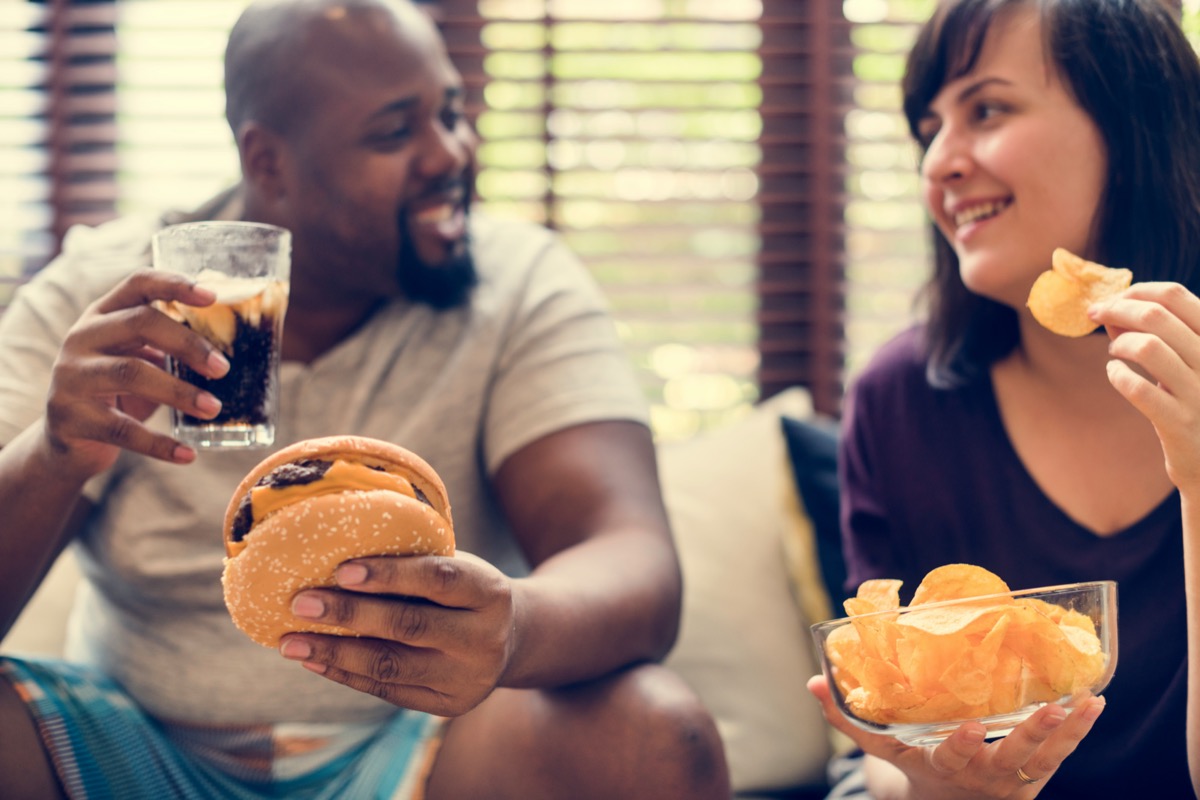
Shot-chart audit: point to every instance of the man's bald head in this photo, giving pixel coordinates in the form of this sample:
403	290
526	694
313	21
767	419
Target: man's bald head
270	45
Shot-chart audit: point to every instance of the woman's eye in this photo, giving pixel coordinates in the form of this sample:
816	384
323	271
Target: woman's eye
987	110
451	117
925	135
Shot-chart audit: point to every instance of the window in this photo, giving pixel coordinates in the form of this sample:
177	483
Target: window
689	150
888	240
632	127
25	216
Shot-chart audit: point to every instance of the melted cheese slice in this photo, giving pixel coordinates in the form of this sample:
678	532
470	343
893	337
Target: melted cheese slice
343	476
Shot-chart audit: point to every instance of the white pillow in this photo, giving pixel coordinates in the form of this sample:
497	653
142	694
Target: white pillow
41	629
744	644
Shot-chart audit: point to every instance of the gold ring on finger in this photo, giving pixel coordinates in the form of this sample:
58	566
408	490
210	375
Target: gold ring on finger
1025	778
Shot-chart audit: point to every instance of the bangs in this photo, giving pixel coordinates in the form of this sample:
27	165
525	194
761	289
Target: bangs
946	49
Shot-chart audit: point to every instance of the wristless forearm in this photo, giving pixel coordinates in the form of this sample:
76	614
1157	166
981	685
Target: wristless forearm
37	499
572	625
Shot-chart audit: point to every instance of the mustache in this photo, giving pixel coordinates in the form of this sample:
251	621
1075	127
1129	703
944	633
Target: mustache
459	186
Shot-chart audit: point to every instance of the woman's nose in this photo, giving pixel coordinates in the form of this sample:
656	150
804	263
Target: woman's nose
947	158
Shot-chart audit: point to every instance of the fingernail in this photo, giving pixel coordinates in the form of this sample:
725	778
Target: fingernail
1094	709
207	403
203	291
218	364
313	666
307	605
350	574
973	737
1053	718
183	454
295	648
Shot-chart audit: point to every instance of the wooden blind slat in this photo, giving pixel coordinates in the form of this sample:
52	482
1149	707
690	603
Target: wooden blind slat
801	261
570	94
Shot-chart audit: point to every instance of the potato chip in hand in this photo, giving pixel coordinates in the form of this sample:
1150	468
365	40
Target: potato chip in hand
1061	295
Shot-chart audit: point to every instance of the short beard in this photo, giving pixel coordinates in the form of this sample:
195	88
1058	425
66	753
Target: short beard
442	286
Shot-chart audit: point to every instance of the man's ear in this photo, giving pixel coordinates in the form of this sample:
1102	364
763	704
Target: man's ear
264	155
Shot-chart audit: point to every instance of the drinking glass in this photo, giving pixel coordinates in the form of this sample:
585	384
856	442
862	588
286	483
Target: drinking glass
248	266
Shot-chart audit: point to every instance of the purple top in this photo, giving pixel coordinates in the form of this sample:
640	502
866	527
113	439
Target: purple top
930	478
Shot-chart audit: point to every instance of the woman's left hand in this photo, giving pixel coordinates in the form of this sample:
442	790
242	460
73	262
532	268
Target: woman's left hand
964	765
1155	347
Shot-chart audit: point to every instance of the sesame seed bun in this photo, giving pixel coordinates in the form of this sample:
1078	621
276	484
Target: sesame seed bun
308	530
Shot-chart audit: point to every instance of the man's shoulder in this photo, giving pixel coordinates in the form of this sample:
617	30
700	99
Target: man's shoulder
93	258
125	237
510	241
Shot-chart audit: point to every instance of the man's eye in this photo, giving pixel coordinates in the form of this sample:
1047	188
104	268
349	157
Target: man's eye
390	138
451	117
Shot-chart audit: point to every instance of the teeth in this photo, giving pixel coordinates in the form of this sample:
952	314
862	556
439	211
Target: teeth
979	212
436	213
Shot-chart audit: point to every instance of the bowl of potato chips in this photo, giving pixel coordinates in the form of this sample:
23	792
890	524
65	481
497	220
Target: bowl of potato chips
966	648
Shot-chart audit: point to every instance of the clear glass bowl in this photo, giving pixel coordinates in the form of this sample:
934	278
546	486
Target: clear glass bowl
1097	601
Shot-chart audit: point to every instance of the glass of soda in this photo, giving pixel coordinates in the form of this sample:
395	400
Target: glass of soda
247	265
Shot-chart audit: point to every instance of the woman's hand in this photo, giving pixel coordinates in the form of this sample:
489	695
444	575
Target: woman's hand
1155	347
109	375
964	765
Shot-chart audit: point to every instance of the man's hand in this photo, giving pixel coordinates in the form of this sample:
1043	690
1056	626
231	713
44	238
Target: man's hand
437	632
109	375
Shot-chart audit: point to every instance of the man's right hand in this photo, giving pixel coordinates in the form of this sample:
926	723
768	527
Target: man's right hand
110	375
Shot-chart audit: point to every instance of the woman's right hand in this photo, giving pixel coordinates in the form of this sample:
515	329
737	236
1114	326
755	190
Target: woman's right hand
964	765
110	375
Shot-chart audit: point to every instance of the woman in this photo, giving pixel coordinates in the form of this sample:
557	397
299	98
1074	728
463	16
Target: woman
981	437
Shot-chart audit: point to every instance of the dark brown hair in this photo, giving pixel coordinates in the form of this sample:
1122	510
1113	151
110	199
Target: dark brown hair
1130	67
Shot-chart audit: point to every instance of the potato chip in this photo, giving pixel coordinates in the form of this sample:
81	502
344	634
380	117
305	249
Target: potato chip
956	581
1008	690
1060	296
878	633
937	661
969	677
881	594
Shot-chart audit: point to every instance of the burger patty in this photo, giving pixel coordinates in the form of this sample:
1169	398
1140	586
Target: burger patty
294	473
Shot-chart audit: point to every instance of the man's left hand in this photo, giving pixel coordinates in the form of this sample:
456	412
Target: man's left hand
436	632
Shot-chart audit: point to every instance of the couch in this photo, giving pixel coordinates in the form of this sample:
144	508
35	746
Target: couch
754	508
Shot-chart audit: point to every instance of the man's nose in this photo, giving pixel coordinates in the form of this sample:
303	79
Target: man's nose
446	150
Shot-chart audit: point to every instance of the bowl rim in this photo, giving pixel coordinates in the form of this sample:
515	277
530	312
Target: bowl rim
1108	586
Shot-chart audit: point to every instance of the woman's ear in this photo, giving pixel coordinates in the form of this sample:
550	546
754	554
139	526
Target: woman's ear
263	156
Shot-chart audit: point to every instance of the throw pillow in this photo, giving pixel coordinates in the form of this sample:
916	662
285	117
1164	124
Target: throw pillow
744	644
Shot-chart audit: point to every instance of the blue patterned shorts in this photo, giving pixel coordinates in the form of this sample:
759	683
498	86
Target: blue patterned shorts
103	746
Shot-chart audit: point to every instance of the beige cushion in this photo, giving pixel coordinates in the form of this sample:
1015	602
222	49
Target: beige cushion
41	628
744	644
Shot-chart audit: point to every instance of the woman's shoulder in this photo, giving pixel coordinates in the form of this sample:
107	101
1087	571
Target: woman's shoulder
896	385
899	362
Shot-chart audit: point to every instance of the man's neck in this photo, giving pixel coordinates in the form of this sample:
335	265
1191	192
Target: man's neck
311	330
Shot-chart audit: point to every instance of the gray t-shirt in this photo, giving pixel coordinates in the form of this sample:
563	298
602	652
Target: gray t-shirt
534	352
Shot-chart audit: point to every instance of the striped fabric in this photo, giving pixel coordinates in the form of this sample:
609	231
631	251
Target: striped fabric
102	746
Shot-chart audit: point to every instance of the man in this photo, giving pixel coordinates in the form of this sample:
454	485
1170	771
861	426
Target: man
482	347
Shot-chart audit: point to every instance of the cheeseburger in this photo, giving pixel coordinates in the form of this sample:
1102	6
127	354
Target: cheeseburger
312	505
